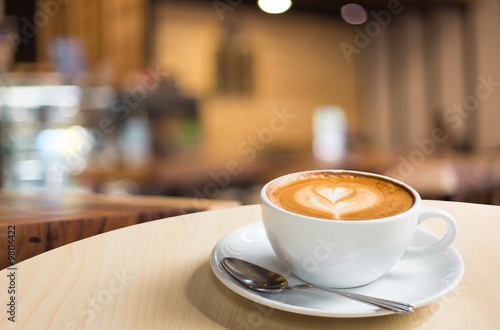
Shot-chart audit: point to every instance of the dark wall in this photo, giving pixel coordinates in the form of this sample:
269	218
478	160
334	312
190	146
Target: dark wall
24	11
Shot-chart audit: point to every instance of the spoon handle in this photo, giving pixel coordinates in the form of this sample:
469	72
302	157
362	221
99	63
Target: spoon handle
395	306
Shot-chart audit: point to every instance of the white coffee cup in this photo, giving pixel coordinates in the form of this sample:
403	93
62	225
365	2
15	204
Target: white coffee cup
345	253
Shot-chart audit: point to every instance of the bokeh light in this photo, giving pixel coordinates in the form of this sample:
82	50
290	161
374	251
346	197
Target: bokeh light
274	6
353	13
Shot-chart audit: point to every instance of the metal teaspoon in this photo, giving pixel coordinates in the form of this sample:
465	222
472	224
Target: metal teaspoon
261	279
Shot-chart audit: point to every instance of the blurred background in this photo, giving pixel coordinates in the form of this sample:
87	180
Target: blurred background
211	99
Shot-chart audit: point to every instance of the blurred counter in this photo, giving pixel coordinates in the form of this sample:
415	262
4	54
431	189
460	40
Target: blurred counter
38	222
199	175
449	176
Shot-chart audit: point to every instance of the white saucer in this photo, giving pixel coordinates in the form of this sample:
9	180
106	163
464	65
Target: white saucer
418	282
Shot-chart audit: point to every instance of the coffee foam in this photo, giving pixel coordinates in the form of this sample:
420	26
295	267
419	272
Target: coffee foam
340	196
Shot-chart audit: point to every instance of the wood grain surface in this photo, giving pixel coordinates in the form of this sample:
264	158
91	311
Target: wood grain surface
157	275
46	221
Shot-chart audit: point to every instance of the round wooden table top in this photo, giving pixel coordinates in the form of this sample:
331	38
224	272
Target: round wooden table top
157	275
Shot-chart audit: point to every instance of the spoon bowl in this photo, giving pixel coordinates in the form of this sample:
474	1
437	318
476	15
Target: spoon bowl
261	279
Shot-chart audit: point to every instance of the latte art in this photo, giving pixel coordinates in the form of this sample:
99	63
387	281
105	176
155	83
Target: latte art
340	196
336	201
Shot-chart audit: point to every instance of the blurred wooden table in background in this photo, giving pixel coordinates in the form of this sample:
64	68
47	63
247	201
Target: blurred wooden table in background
450	176
44	221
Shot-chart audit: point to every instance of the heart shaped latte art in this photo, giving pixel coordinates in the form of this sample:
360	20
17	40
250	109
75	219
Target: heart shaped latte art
336	201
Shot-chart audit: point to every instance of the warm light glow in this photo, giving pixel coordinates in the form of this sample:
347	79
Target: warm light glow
274	6
353	13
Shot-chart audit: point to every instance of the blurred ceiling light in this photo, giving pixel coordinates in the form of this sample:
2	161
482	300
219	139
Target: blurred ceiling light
353	13
274	6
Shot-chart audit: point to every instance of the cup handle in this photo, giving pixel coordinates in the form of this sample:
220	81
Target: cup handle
426	213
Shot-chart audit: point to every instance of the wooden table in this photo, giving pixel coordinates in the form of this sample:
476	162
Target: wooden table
44	221
157	275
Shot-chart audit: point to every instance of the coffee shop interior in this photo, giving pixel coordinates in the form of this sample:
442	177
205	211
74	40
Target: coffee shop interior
212	99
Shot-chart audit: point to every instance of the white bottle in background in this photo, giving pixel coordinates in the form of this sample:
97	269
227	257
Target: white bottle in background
329	129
